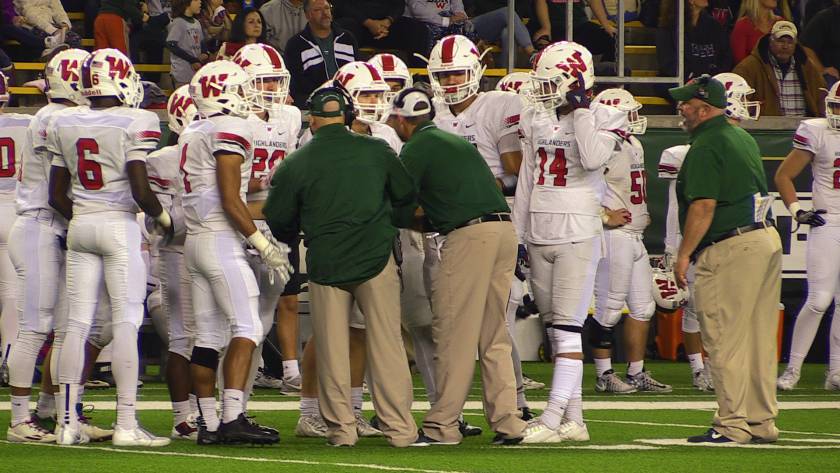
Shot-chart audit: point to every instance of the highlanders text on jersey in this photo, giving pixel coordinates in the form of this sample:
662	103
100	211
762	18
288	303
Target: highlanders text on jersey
197	146
627	184
814	135
94	146
13	147
273	141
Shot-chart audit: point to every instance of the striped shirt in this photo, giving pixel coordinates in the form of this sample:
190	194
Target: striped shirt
791	96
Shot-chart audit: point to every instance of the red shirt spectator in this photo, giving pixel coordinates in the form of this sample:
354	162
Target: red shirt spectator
756	20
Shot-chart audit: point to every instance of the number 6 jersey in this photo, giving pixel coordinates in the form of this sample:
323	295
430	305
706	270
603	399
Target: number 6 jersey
561	182
95	145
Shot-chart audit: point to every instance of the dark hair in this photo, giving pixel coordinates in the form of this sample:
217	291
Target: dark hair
179	7
237	30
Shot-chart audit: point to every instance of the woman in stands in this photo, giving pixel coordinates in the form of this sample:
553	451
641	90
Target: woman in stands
247	28
755	20
706	44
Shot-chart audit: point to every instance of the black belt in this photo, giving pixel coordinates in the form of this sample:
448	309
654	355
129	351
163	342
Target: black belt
497	217
732	233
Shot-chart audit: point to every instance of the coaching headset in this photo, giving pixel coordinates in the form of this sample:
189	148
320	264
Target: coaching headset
413	102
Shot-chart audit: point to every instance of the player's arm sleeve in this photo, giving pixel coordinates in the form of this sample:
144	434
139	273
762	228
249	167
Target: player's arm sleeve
669	164
806	138
524	186
401	190
232	139
704	170
508	122
144	135
281	205
597	136
53	148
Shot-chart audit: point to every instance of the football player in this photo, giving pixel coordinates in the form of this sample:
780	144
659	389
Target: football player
175	292
216	165
816	142
558	214
624	273
100	152
394	72
9	170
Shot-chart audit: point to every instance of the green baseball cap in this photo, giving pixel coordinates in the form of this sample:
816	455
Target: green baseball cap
324	95
705	88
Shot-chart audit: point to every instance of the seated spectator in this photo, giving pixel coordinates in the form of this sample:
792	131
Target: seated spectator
550	26
216	24
114	21
315	54
725	12
11	28
247	28
380	24
754	21
822	35
786	76
706	44
47	18
185	41
448	17
283	19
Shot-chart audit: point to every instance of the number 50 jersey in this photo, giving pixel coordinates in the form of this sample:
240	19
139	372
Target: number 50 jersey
94	146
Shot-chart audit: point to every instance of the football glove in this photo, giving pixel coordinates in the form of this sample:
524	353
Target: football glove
579	97
811	217
275	255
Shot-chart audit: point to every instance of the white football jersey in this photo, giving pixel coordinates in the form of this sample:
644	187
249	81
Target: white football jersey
669	167
377	130
165	181
196	147
273	141
492	116
814	135
627	184
14	145
95	146
33	190
561	182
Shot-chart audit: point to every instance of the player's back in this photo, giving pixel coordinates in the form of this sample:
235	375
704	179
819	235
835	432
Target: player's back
197	146
816	136
95	145
13	146
32	193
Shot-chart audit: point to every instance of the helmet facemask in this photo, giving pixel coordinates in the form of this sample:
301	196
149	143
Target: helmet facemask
832	112
267	92
456	93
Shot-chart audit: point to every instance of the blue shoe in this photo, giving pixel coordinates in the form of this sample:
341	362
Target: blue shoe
711	436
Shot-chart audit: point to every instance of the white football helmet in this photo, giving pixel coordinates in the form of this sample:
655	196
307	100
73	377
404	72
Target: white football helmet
452	54
666	293
109	73
181	109
555	73
392	68
832	99
624	101
361	78
63	75
263	63
219	87
4	90
737	105
513	82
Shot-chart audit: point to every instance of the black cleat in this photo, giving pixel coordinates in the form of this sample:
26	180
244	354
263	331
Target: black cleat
206	437
243	431
264	428
468	430
499	439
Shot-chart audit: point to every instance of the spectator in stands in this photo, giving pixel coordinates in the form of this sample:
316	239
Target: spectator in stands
812	7
725	12
11	29
380	24
786	76
47	18
185	40
822	35
247	28
114	21
489	26
315	54
755	20
706	43
216	24
283	19
148	40
550	26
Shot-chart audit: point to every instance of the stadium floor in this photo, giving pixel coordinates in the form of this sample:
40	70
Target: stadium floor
630	433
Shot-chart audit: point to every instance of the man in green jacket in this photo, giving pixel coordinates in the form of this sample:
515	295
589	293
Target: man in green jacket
724	215
342	189
469	288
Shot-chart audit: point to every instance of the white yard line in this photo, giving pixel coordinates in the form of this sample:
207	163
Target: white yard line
772	446
696	426
363	466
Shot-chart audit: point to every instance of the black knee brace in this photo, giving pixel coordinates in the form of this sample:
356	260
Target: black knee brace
600	336
206	357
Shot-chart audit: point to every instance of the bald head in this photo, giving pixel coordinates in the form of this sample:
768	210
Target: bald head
331	106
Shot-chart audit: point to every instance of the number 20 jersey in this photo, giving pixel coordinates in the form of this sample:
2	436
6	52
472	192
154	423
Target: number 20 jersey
94	146
273	141
814	135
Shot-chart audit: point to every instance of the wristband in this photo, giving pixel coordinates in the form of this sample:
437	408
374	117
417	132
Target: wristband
164	219
258	241
794	208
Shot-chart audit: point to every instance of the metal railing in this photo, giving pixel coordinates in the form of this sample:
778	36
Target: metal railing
620	78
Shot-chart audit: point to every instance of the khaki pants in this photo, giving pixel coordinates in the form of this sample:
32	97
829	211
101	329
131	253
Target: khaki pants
469	293
737	293
391	388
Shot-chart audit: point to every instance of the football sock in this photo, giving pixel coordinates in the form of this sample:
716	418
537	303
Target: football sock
291	369
574	408
602	365
125	366
193	404
207	410
231	404
20	409
181	411
834	345
635	367
564	382
356	396
67	405
804	331
695	360
46	405
309	407
424	356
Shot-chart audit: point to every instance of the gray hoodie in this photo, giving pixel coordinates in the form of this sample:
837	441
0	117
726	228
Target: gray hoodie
283	20
428	11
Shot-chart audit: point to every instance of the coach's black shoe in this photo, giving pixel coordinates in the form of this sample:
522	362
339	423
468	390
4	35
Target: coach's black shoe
526	414
468	430
422	438
243	431
711	436
500	439
374	422
206	437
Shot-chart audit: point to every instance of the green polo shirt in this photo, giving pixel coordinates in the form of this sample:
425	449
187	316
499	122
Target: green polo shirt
455	185
340	189
724	164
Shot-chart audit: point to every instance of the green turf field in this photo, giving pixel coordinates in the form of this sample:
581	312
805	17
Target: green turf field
632	433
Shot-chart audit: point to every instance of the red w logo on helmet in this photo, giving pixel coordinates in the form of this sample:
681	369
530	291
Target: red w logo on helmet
345	77
574	65
180	103
67	68
118	68
667	288
211	85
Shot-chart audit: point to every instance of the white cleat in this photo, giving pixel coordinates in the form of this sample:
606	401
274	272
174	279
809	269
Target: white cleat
609	382
787	381
537	432
264	380
95	433
311	426
364	429
291	386
30	432
702	382
832	381
530	384
66	435
137	437
187	430
573	432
